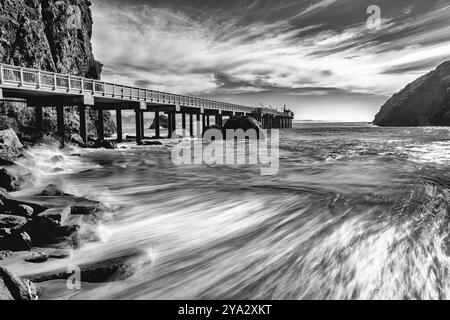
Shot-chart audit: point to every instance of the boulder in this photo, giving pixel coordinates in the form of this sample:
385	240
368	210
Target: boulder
424	102
163	122
102	270
76	138
5	254
106	144
9	181
56	159
150	143
14	240
9	145
245	123
52	190
38	257
24	211
14	288
11	221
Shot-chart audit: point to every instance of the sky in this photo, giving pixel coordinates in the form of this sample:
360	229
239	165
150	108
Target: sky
324	59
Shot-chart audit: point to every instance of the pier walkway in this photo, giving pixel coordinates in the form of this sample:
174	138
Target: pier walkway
47	89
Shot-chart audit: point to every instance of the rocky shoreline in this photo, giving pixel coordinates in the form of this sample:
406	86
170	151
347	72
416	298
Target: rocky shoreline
47	226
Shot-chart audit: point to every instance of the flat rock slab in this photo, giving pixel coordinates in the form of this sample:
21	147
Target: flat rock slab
108	270
80	205
15	288
10	221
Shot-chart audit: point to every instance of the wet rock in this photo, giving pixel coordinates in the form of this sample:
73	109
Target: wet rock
38	257
5	254
9	145
57	159
52	190
60	253
14	288
58	215
150	143
41	230
21	208
14	240
107	270
24	210
76	138
67	237
106	144
11	221
163	122
9	181
89	145
245	123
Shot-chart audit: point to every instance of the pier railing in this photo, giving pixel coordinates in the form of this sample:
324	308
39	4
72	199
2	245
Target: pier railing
49	81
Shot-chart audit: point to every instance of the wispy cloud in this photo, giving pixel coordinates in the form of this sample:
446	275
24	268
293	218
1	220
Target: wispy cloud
204	49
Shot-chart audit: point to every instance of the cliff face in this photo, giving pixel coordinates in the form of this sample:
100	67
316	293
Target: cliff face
53	35
48	34
424	102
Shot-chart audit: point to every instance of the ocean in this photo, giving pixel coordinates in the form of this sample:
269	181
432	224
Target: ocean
355	212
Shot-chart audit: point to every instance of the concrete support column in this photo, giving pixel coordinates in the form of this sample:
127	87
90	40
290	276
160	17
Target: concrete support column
203	124
183	121
157	125
199	128
60	121
119	125
191	124
169	124
39	120
208	123
174	121
142	125
83	123
100	125
138	116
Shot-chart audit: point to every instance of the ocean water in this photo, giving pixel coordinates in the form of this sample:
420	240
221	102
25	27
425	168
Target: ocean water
355	212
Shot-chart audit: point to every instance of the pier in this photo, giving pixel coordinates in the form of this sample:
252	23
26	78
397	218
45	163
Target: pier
47	89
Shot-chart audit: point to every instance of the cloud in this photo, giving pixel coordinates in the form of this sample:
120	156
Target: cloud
295	48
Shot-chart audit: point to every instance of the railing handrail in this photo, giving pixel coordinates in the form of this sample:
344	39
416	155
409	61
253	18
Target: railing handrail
172	97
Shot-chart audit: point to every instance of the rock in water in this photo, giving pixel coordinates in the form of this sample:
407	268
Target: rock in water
76	138
9	181
163	122
244	123
15	288
14	240
10	221
9	145
424	102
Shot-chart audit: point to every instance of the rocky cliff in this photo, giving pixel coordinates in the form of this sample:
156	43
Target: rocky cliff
424	102
53	35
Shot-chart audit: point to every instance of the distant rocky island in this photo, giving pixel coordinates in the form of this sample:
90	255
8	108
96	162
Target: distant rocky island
424	102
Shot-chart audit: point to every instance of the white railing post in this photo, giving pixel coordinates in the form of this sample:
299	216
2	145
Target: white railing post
93	87
54	82
1	74
39	84
69	84
21	77
82	85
